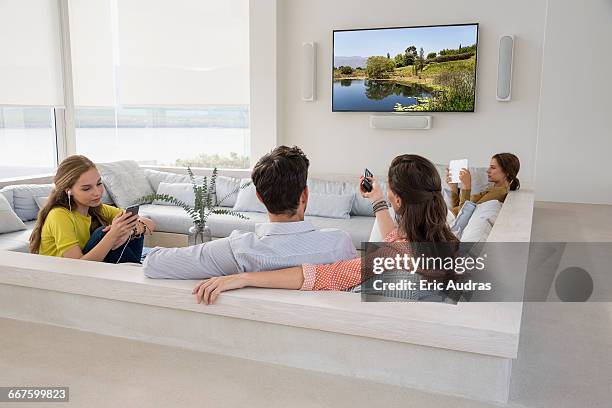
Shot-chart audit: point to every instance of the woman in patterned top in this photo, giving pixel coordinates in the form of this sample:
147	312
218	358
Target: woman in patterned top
415	195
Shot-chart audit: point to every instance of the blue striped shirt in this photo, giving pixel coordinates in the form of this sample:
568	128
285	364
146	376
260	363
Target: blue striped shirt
273	245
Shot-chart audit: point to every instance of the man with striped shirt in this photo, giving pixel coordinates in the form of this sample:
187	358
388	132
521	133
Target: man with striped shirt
287	240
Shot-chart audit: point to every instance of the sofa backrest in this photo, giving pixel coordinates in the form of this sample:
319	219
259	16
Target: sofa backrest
22	198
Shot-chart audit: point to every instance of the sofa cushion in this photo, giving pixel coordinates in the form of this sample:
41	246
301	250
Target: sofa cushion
23	198
479	226
18	241
463	218
181	191
155	177
227	191
358	227
41	201
330	205
9	221
125	181
8	194
167	218
247	200
361	205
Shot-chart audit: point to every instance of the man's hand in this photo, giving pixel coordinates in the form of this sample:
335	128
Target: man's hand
208	290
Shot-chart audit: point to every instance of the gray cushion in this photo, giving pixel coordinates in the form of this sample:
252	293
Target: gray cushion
181	191
125	181
330	205
17	241
227	190
9	221
23	198
463	218
358	227
8	194
223	225
167	218
326	186
155	177
247	200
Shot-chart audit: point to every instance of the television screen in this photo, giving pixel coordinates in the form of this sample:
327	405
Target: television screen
405	69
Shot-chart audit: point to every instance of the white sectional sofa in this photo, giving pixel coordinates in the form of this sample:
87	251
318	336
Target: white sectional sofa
126	181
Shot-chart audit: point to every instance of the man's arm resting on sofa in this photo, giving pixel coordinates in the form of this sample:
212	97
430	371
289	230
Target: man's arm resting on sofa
202	261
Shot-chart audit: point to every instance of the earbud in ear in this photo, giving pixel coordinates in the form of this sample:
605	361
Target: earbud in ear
68	192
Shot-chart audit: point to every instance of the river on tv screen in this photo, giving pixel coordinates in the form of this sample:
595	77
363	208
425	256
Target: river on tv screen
412	69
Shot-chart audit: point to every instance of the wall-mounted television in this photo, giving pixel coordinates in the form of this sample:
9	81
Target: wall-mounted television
405	69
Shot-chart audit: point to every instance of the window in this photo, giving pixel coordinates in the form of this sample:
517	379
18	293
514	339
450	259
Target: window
28	142
166	84
207	137
30	87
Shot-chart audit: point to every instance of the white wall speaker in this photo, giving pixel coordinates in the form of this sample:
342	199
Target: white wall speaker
401	122
504	68
309	71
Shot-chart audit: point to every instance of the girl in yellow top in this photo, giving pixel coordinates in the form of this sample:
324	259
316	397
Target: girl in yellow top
502	172
75	224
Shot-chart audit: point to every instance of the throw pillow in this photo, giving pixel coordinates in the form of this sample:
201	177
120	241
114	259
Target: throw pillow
463	218
479	226
330	205
41	201
125	182
181	191
23	203
9	221
247	199
227	191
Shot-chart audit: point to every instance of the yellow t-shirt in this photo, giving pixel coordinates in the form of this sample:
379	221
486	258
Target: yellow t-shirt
63	230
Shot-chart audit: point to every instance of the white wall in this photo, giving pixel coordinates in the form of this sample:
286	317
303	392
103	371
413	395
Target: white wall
344	143
575	138
263	73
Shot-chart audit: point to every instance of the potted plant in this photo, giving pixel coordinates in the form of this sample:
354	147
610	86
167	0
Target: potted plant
204	205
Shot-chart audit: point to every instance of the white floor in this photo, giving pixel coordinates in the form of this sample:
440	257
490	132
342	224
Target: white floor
565	357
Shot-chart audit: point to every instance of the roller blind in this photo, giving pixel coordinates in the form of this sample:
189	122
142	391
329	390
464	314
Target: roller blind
183	52
30	54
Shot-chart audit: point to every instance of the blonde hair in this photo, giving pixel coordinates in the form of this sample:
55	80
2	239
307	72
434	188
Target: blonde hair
68	172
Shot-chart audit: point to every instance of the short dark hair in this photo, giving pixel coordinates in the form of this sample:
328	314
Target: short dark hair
280	178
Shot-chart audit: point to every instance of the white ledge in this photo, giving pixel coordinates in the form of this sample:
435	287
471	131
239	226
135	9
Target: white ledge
485	328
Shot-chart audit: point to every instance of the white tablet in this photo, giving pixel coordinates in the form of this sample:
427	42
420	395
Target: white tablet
454	167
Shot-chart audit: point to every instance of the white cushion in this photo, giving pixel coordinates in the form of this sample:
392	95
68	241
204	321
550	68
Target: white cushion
463	218
181	191
361	205
8	194
18	241
479	227
155	177
41	201
330	205
9	221
227	191
325	186
247	199
125	181
23	199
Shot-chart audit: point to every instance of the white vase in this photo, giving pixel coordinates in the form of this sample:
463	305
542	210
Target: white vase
199	235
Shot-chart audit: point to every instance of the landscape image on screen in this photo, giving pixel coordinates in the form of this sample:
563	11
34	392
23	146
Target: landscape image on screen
411	69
